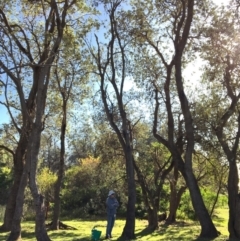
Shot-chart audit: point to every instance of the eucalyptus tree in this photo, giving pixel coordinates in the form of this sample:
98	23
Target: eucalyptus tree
30	41
162	29
113	68
221	107
65	83
71	75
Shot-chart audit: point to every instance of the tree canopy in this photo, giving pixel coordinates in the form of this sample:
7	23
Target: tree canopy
102	95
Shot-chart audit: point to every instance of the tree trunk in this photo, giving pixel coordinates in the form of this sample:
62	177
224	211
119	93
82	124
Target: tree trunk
57	203
152	218
215	200
152	223
18	170
57	200
172	206
15	233
208	229
233	202
11	204
32	154
129	228
40	228
175	196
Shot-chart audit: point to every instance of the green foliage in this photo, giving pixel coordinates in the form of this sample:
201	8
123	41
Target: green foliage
164	198
186	210
46	180
81	190
5	183
209	197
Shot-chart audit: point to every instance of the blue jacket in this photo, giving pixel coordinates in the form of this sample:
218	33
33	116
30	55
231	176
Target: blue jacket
112	205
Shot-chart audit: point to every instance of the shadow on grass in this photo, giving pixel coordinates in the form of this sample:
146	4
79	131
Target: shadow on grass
66	235
138	235
27	234
218	219
218	239
174	232
82	239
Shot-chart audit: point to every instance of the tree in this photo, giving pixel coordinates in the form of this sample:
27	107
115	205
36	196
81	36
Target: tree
222	74
161	22
29	51
112	69
152	164
65	82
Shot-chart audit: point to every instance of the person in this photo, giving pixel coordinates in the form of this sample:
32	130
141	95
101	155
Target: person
112	205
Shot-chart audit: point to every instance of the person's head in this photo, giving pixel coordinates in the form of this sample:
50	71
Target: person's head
111	193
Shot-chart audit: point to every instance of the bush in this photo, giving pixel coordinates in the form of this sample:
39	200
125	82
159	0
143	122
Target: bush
186	209
5	183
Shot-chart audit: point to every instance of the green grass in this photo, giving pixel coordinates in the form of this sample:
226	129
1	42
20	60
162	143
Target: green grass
182	230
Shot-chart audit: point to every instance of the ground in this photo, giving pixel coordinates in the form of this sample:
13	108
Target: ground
182	230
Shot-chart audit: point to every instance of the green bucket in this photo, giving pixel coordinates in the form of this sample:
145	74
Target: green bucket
96	234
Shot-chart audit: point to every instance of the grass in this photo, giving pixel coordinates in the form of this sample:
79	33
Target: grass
183	230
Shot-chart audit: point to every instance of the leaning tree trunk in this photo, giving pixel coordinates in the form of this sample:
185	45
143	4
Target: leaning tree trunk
18	161
15	233
21	179
233	202
11	203
208	230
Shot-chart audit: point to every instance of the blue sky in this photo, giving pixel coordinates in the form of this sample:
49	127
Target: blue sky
4	117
